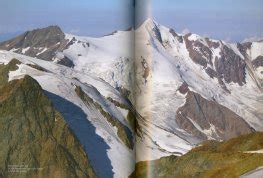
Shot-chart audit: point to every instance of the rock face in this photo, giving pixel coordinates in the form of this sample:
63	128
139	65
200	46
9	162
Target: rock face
201	117
227	62
183	88
34	136
231	67
41	43
258	62
198	52
178	37
228	66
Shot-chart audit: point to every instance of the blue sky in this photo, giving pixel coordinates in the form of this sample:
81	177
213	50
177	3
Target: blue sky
82	17
232	20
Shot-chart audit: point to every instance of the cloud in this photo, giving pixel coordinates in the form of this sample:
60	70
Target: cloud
74	31
185	31
251	39
228	40
206	35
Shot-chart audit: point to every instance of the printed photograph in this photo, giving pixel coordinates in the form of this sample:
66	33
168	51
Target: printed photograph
131	89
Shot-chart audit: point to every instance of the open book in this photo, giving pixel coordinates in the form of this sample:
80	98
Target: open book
147	100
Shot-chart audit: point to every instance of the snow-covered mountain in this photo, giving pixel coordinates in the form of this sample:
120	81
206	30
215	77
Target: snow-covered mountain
92	75
97	113
194	88
184	89
109	57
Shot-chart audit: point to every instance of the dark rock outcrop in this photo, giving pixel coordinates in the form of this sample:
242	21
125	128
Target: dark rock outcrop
179	38
198	52
258	62
66	62
209	115
157	33
212	44
230	66
183	89
244	47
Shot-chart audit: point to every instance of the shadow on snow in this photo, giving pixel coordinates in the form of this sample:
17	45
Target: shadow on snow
94	145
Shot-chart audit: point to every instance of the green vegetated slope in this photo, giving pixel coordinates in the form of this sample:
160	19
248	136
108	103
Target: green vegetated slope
35	141
213	159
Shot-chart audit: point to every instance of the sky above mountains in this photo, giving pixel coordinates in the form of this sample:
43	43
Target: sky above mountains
231	20
81	17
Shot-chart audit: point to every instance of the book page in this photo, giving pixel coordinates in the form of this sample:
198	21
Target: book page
126	88
66	78
199	88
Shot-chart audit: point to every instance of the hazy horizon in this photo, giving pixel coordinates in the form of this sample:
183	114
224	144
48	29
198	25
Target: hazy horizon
78	17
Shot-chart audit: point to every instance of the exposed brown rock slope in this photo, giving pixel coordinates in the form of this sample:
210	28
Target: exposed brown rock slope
201	117
35	136
42	43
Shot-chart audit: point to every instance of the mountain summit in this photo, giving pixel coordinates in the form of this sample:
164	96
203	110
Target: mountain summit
42	43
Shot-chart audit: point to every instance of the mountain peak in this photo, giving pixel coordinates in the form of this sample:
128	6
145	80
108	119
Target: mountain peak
42	42
150	22
50	30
